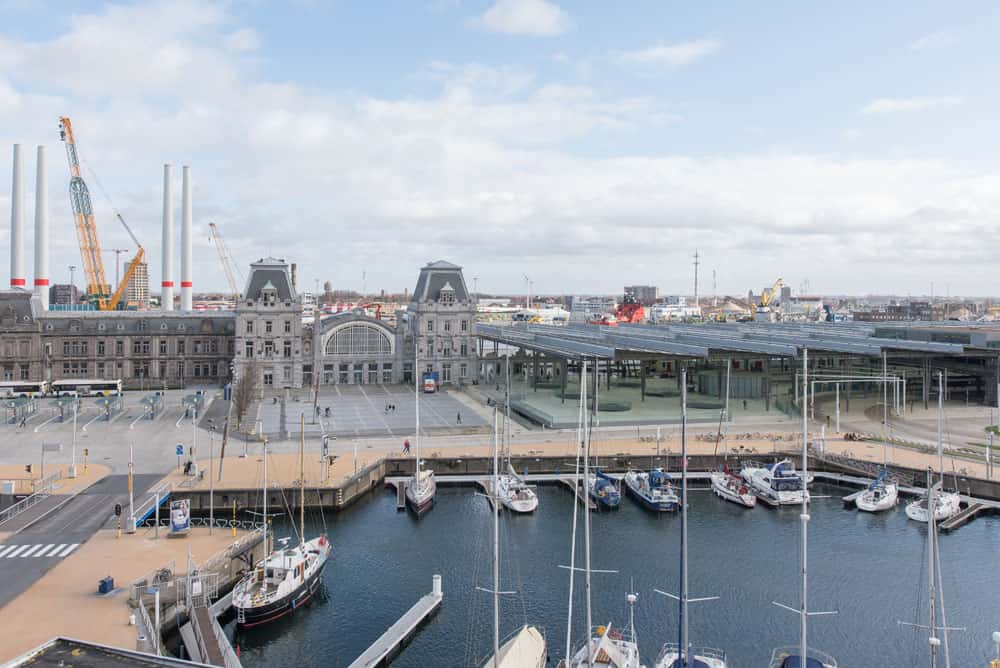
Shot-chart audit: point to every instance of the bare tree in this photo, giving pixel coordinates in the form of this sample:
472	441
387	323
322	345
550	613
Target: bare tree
245	390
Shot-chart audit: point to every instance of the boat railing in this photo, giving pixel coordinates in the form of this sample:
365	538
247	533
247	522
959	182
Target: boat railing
707	652
779	655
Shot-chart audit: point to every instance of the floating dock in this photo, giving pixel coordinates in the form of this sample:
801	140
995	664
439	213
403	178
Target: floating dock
962	517
389	643
580	491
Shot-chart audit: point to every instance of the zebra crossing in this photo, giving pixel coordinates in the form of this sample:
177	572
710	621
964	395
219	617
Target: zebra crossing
38	550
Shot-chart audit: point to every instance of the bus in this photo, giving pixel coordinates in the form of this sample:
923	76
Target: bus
11	389
83	387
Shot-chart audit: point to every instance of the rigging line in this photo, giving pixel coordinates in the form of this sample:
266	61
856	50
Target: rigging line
940	593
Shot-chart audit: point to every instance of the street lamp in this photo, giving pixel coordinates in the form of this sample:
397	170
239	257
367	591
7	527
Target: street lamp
72	468
211	476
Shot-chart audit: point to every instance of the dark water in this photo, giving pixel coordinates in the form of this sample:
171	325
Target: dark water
868	567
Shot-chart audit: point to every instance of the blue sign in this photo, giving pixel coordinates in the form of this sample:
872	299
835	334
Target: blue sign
180	450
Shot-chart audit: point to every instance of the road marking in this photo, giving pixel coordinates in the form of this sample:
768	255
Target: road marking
30	551
5	550
41	553
20	548
52	552
68	550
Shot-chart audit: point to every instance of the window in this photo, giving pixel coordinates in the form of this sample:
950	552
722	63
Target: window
447	295
75	369
268	379
197	346
249	349
430	325
119	348
359	339
287	351
447	325
100	369
267	326
445	373
163	370
23	368
464	349
268	348
288	327
70	348
163	346
249	326
180	346
463	370
286	373
465	325
197	371
100	348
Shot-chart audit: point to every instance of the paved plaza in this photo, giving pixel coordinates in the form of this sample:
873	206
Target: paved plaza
369	410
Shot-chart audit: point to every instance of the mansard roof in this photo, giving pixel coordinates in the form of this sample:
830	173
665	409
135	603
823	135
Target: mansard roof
437	276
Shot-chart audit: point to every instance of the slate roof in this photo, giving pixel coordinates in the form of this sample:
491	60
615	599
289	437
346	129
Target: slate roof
270	270
435	276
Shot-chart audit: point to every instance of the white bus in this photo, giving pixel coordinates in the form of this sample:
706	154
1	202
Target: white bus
10	389
83	387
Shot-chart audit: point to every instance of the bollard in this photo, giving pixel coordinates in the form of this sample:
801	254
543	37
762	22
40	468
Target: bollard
436	591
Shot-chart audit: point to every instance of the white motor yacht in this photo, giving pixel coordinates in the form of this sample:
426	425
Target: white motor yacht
777	484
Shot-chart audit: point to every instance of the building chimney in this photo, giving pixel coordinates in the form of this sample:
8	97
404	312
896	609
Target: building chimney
187	286
42	231
17	222
294	272
167	243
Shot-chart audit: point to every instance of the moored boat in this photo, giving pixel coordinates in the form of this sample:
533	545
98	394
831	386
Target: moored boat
604	490
777	484
515	494
880	495
732	488
652	489
944	504
421	488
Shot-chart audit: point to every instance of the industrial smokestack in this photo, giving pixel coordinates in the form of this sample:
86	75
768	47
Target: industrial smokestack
42	231
167	243
187	286
17	222
294	272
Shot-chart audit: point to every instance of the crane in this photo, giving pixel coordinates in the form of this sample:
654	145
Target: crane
225	258
768	296
86	230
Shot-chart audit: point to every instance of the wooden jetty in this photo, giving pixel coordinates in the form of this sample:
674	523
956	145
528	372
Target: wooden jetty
962	517
389	643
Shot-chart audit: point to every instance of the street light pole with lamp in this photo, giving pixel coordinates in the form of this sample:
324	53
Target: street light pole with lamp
211	476
72	468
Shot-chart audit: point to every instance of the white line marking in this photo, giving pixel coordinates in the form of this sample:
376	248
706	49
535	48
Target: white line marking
33	549
20	548
5	550
53	551
41	553
68	550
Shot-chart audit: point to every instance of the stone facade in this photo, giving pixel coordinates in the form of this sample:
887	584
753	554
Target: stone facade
269	331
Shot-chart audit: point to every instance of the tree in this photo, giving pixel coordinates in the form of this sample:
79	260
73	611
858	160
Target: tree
245	390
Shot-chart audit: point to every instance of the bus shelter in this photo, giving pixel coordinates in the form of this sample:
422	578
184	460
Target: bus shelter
19	409
110	405
152	404
64	405
193	404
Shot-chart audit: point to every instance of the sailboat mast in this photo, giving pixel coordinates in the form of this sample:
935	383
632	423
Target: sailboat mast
586	516
683	644
506	420
417	376
266	547
576	483
885	413
940	435
496	538
302	478
804	516
932	594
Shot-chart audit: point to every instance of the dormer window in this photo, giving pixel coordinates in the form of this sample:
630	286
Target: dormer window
447	294
269	294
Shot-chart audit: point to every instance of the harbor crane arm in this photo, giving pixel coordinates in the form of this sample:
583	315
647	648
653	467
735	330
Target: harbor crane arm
83	216
224	259
770	295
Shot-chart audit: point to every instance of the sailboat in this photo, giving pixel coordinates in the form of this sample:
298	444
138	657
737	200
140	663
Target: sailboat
288	577
681	654
606	647
803	656
882	493
514	493
935	587
526	648
945	504
421	488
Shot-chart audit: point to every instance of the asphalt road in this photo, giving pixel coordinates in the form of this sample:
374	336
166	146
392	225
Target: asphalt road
28	555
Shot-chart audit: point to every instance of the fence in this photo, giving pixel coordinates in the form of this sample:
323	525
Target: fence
41	492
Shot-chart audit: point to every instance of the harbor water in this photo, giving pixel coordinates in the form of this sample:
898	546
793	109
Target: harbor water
871	569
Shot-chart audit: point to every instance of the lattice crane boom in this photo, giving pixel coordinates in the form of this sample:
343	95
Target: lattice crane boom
83	216
225	258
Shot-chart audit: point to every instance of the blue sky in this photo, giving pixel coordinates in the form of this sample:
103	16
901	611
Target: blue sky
587	144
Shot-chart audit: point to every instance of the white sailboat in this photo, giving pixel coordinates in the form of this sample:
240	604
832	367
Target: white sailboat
421	488
935	588
605	647
526	648
514	493
681	654
882	493
945	504
729	486
286	578
803	656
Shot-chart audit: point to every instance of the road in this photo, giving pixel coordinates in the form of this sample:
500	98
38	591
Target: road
26	556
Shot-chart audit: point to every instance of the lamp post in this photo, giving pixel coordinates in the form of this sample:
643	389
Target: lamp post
211	476
72	467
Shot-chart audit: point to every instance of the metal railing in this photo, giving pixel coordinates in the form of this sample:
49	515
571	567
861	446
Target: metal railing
155	494
153	632
159	576
41	492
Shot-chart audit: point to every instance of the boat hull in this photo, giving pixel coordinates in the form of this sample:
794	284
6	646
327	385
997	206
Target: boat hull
420	499
947	505
724	491
872	503
256	616
648	503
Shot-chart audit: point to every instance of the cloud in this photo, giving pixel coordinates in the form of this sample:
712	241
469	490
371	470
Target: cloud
941	39
891	105
681	53
537	18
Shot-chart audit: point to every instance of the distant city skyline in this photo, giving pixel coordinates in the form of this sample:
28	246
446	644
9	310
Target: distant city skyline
587	146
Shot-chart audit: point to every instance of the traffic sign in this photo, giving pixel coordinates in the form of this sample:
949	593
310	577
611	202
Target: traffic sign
179	450
51	447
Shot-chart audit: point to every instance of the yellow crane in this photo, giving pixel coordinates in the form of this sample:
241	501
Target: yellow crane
86	231
770	295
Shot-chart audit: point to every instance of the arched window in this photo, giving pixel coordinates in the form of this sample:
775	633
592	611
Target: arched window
359	339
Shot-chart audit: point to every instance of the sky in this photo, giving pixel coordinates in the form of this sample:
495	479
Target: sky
847	147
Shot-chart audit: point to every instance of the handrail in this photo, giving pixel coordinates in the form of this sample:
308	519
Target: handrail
27	502
154	633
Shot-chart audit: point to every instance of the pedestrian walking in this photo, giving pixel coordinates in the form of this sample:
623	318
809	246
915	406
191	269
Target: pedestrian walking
406	446
458	418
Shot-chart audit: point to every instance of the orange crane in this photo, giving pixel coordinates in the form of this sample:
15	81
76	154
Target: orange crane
225	257
86	231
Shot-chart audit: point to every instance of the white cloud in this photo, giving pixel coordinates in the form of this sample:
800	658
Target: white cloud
244	39
891	105
941	39
681	53
538	18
